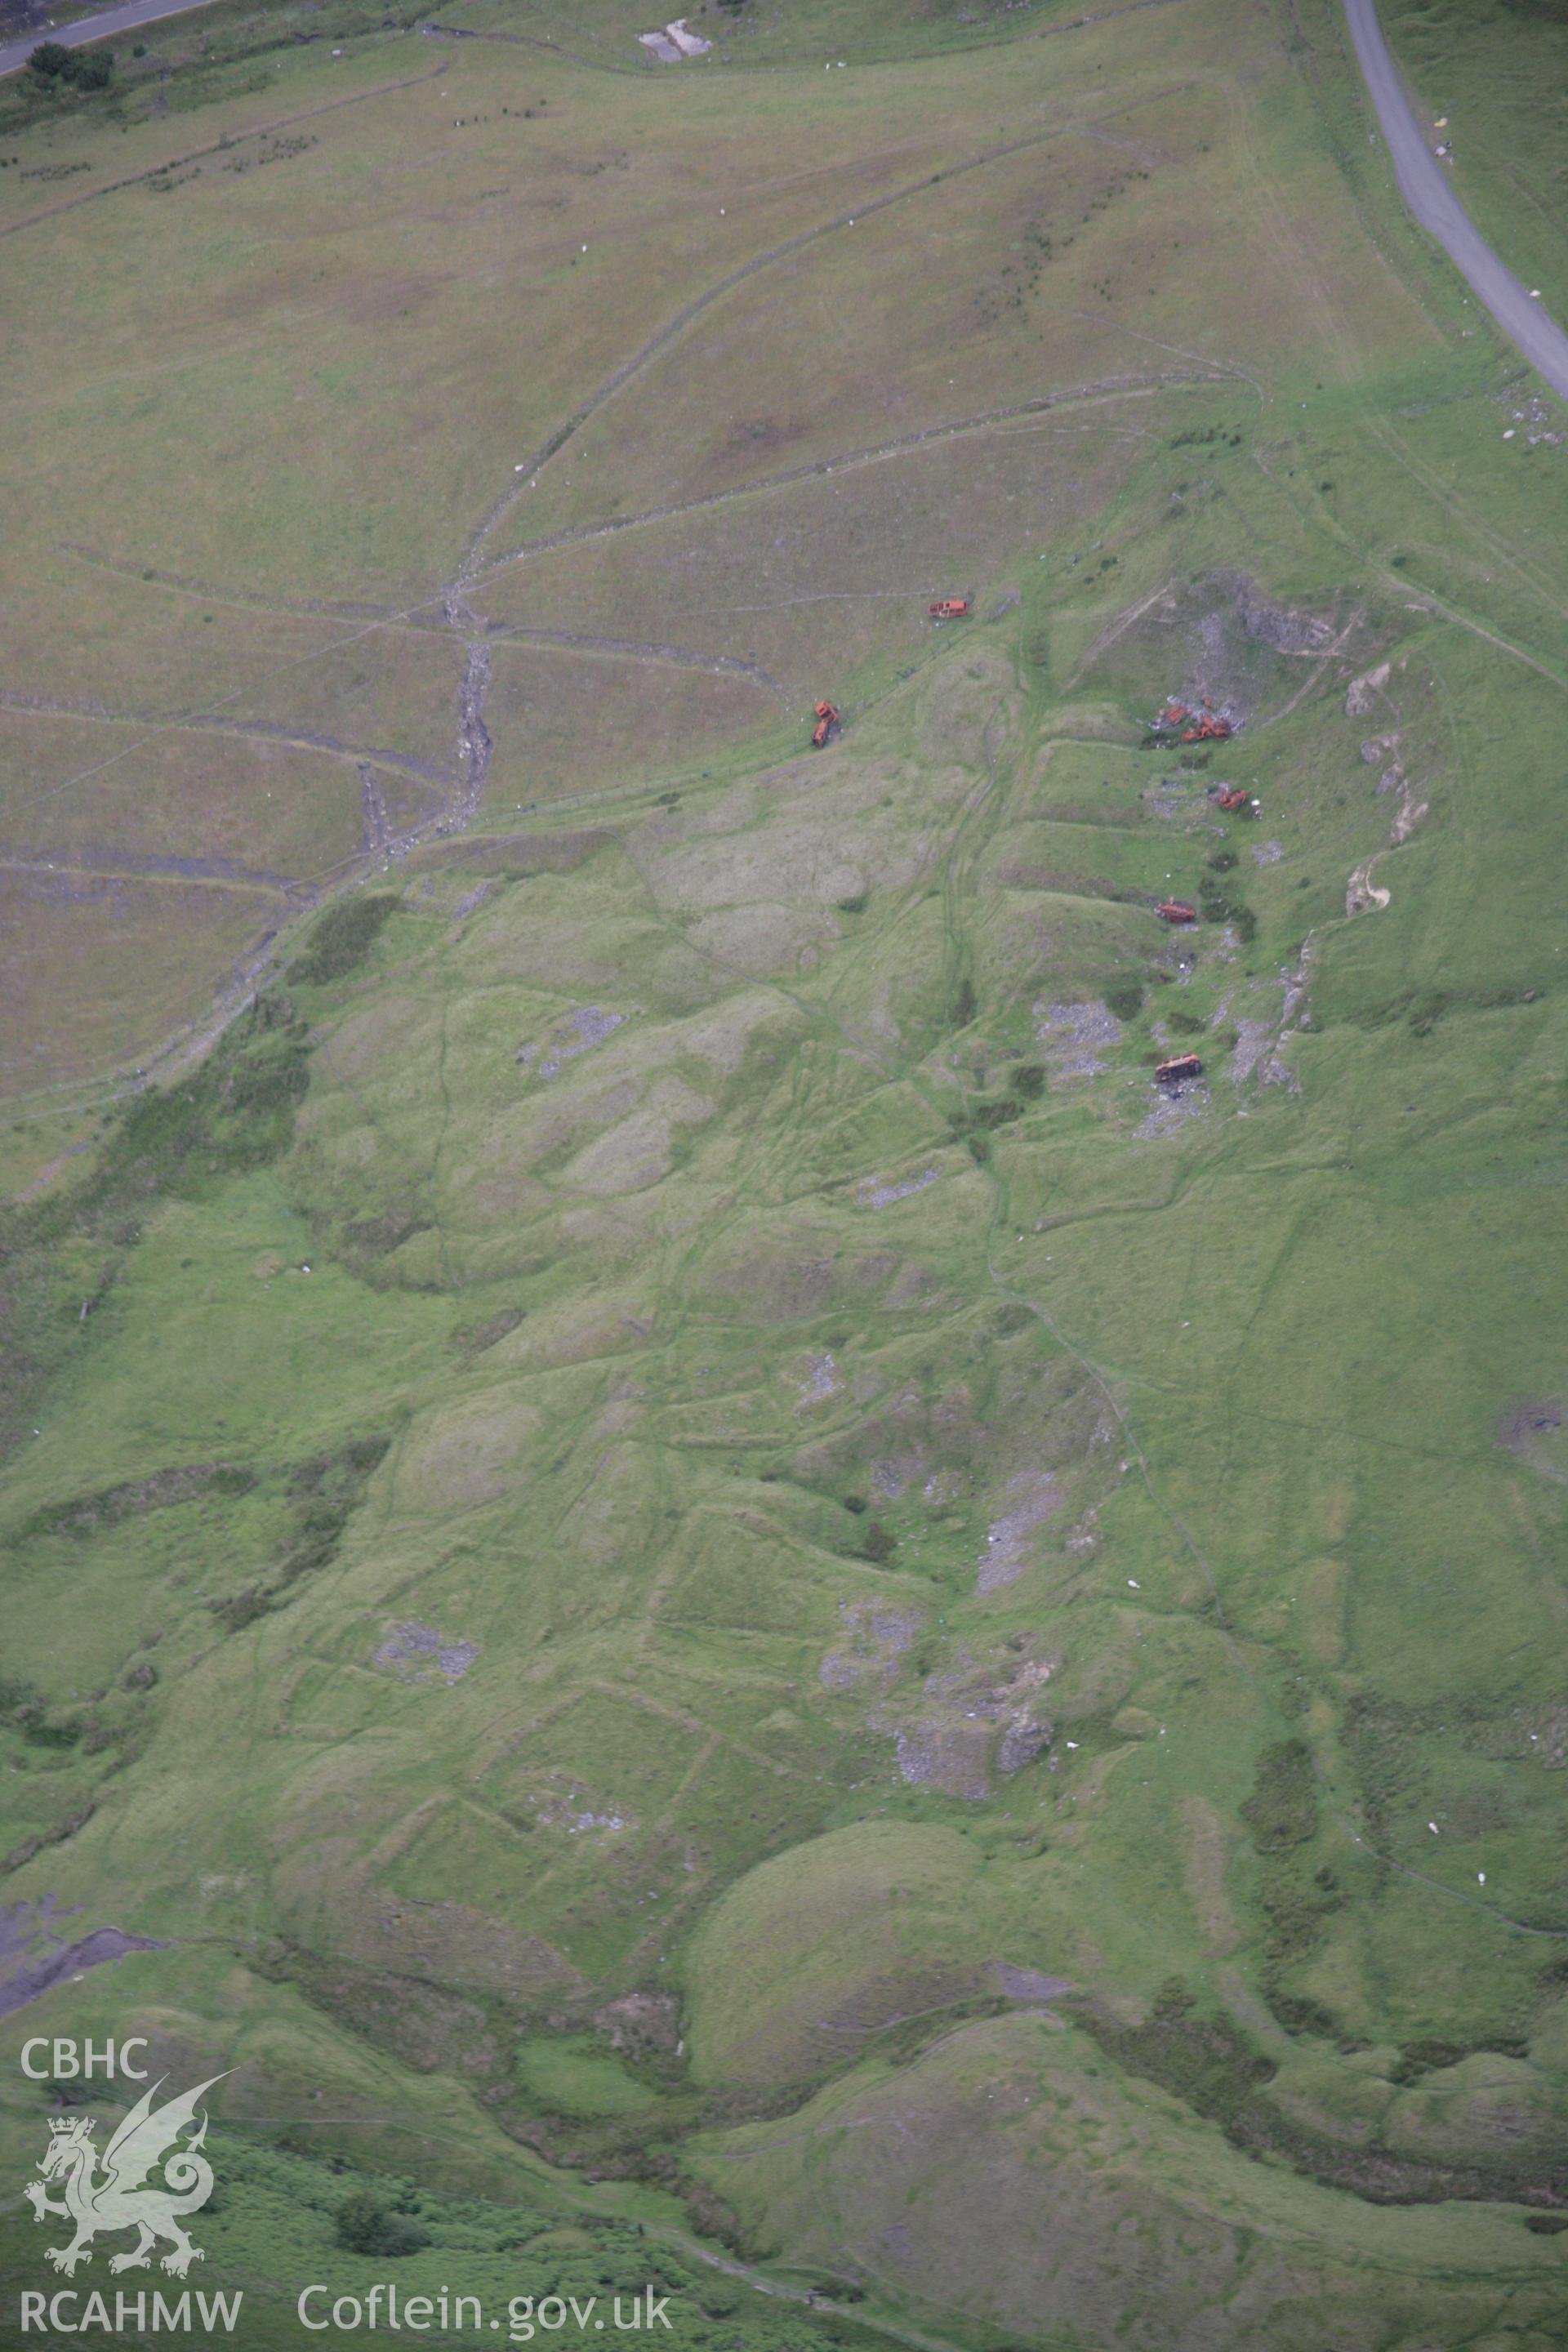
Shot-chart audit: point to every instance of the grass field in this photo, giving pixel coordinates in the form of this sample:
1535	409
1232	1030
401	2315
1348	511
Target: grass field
700	1565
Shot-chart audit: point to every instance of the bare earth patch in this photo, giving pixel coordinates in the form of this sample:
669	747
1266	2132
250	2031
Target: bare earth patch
1254	1056
29	1974
1173	1104
874	1639
822	1381
675	42
415	1652
1075	1036
587	1027
872	1195
1006	1554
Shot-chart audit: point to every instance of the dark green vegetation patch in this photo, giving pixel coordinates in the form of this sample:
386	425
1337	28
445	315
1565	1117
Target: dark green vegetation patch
343	939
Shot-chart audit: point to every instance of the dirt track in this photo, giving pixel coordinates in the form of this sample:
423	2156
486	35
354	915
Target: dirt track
924	436
1427	190
299	739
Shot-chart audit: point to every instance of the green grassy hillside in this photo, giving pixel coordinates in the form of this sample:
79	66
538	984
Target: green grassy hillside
689	1555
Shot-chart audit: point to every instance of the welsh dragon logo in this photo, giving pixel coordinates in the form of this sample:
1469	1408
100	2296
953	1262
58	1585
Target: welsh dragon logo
116	2198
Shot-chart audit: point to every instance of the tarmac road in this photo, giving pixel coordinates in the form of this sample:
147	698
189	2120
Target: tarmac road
1427	189
125	20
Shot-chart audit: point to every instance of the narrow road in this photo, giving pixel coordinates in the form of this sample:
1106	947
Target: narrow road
1427	189
13	55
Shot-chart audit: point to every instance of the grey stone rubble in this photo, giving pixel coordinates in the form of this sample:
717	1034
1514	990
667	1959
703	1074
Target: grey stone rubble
416	1646
869	1194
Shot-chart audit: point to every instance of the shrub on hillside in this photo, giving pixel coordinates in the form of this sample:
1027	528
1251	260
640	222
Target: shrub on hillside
343	939
1282	1810
52	61
237	1110
366	2226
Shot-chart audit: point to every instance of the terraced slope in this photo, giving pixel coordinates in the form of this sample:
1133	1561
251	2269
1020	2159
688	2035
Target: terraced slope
683	1551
